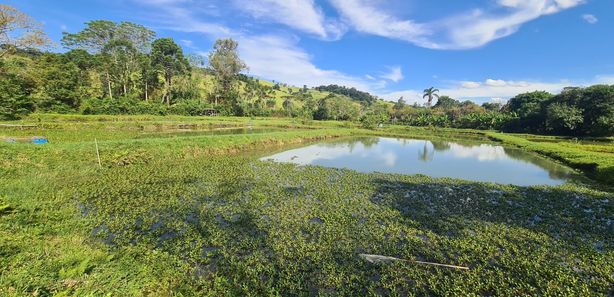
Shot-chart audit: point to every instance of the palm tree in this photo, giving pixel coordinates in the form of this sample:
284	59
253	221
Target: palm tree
430	93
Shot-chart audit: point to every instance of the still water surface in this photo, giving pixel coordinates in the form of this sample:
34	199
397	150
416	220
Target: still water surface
469	161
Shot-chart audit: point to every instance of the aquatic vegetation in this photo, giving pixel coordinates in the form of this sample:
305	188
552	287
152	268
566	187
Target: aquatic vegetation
192	216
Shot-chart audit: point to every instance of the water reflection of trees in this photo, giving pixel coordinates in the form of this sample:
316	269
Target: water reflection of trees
555	170
426	154
441	146
367	142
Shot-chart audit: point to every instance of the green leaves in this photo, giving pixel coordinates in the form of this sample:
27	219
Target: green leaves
77	270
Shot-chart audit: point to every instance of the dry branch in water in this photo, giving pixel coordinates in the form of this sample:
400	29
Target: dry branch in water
379	259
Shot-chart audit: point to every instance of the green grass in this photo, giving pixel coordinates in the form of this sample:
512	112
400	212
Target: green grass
200	215
595	159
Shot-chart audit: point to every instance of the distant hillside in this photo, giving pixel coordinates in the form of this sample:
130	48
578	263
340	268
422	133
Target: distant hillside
353	93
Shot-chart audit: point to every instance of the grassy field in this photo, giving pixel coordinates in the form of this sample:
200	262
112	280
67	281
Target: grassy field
193	214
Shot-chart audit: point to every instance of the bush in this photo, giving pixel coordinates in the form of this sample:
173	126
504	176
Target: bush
15	96
483	121
123	105
372	120
189	108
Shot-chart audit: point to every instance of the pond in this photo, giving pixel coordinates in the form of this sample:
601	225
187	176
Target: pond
435	158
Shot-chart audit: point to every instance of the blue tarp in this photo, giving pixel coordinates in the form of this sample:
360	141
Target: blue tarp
40	141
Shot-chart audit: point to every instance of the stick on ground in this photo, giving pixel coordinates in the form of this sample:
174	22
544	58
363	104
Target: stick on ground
377	259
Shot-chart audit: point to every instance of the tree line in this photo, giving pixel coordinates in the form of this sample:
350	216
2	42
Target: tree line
575	111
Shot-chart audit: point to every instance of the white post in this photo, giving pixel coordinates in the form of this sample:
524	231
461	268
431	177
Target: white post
98	153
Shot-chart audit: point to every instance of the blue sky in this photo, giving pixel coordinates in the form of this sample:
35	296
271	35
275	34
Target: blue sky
473	49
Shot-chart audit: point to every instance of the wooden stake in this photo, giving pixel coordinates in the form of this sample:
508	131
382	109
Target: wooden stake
98	153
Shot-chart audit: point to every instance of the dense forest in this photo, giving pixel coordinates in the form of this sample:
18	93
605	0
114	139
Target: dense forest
350	92
123	68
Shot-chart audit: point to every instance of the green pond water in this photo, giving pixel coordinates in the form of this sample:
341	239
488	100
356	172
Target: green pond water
463	160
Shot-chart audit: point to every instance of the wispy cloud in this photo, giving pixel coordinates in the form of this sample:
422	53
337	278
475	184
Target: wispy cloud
280	58
589	18
395	74
466	30
303	15
187	43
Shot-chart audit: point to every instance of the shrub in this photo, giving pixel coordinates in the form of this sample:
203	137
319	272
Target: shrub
189	108
123	105
15	95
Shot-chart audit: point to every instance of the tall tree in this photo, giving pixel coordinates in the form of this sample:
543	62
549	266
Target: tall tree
119	43
98	34
430	93
168	59
226	65
148	75
19	31
446	103
288	105
400	104
124	64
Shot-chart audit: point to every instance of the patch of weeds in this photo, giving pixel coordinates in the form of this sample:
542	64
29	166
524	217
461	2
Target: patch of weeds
128	157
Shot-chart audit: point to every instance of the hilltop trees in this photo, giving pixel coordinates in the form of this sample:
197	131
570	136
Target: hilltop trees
353	93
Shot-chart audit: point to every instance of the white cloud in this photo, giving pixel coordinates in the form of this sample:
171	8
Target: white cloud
279	58
367	18
395	74
187	43
470	84
495	83
591	19
303	15
471	29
